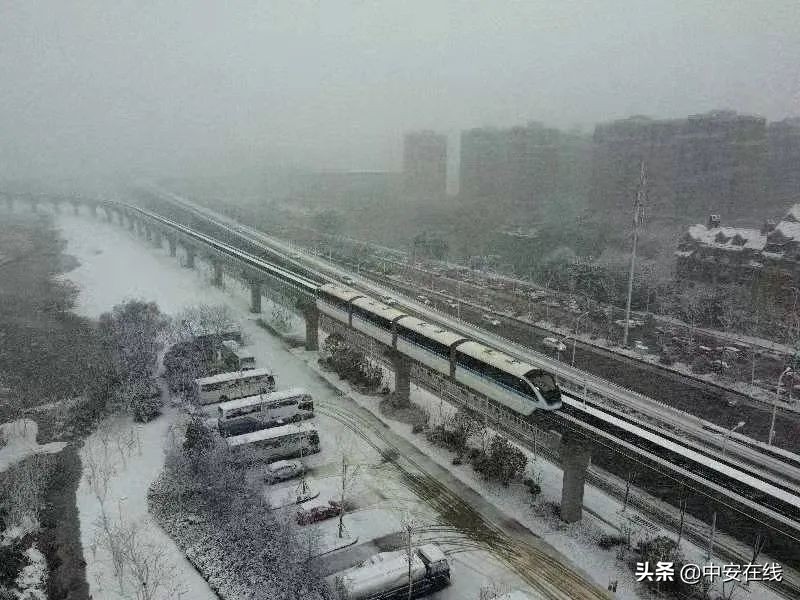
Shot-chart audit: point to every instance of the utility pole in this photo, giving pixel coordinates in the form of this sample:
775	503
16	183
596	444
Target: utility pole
341	505
408	550
638	213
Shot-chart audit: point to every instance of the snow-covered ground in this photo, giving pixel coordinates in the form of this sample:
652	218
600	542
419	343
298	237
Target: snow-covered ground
20	437
115	266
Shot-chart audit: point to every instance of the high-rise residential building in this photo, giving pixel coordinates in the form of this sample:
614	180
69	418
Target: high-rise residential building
425	164
783	142
710	163
523	166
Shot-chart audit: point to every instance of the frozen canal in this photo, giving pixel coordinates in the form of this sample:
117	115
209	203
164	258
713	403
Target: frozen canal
395	484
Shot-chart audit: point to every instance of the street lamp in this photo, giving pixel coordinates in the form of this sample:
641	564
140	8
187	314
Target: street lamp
575	336
728	433
786	371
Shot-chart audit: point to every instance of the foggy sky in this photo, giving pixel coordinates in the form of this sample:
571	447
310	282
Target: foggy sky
179	87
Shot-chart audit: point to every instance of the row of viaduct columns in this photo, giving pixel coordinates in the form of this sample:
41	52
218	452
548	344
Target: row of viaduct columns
575	452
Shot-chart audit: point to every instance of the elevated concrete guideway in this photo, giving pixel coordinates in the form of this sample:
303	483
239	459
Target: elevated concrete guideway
575	381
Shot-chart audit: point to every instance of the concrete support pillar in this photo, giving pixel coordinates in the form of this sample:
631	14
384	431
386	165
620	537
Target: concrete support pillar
312	327
217	277
255	297
173	246
109	216
157	238
148	233
131	223
402	377
190	254
575	458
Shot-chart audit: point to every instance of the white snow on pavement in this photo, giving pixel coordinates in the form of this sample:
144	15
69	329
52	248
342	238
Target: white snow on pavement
21	442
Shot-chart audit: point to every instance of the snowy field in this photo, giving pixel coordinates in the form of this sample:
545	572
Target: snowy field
115	266
20	438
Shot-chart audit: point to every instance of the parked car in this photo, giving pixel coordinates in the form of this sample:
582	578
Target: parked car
388	300
555	344
348	280
282	470
491	320
318	512
639	346
423	299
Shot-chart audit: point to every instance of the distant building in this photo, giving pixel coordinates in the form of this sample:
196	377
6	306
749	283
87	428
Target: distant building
344	189
524	167
710	163
783	148
425	164
734	254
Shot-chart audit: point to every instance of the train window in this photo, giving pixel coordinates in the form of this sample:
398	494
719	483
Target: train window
372	318
423	341
499	376
333	300
543	381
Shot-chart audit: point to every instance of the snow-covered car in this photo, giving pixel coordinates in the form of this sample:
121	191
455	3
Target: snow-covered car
388	300
348	280
554	343
491	320
282	470
318	512
720	365
639	346
423	299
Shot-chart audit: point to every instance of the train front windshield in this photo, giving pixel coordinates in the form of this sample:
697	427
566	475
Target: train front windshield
546	385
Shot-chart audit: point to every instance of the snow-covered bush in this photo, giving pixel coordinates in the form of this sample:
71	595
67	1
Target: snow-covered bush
145	409
220	521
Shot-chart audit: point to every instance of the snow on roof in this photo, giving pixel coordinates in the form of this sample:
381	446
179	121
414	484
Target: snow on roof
220	377
793	214
515	595
268	434
340	291
258	398
727	237
788	229
429	330
498	359
380	309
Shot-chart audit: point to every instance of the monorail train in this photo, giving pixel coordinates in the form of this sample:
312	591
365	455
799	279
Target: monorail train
517	385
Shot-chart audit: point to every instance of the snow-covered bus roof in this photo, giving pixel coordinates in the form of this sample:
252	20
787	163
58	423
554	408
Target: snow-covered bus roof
379	308
270	434
233	375
516	595
430	330
340	291
258	398
493	357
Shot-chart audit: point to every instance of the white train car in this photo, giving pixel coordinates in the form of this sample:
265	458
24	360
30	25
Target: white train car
375	319
427	343
515	384
334	300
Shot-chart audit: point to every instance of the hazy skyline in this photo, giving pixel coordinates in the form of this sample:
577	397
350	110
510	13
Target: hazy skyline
197	87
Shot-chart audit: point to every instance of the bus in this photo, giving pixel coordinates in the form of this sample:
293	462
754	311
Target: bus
265	410
235	357
287	441
237	384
